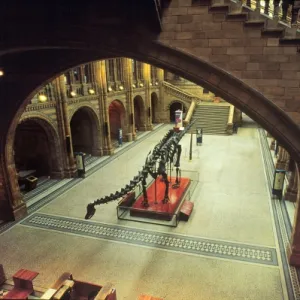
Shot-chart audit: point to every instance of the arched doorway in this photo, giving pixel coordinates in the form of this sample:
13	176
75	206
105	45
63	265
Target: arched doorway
85	131
139	113
175	105
154	107
116	118
36	150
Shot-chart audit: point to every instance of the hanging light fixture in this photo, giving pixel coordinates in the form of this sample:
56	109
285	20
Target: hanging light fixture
42	98
121	87
91	91
133	85
156	83
1	72
109	88
73	94
141	84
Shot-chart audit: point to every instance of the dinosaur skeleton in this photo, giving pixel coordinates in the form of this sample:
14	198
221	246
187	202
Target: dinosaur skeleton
166	151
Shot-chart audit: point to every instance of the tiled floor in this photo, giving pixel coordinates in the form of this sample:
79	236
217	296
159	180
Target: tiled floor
229	249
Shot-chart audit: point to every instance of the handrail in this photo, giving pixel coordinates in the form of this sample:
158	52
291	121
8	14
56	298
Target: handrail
172	89
231	114
281	11
190	112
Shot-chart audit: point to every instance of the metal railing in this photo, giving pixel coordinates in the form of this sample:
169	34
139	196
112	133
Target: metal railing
285	11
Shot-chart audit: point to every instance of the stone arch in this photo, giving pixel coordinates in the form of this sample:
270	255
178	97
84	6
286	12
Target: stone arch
175	105
54	163
117	119
85	130
188	66
15	96
139	113
154	107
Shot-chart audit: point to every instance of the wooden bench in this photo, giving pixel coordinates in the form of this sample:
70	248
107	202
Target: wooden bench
66	286
186	210
23	286
147	297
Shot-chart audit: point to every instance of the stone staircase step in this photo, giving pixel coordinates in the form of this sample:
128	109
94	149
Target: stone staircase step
272	32
237	16
219	8
255	23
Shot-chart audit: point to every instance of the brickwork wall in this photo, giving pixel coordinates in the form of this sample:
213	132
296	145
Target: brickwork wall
261	62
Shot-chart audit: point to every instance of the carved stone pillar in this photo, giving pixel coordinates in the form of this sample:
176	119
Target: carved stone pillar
292	188
128	81
293	250
148	112
103	109
283	159
12	206
272	146
97	149
64	126
162	116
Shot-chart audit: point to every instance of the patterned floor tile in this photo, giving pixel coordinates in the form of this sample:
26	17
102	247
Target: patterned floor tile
173	242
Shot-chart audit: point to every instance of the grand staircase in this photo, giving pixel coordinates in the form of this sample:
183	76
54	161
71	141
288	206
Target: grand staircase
212	119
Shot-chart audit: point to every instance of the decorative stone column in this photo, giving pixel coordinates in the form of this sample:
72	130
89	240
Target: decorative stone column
64	126
97	149
103	109
293	249
147	80
272	146
283	159
12	206
128	82
162	116
292	188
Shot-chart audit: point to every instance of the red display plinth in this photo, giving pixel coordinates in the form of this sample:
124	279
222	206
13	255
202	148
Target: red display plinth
161	211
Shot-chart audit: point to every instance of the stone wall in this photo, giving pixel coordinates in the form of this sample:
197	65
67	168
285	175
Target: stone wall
258	60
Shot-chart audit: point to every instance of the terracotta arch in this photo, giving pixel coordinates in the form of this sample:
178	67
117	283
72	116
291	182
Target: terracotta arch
139	113
85	130
154	107
201	72
53	58
55	159
117	113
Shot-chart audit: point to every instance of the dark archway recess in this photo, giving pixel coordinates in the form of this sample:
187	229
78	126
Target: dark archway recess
82	132
139	113
33	148
116	118
176	105
154	107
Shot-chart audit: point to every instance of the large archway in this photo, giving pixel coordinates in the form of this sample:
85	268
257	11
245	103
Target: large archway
85	131
176	105
116	118
50	62
37	149
139	113
154	107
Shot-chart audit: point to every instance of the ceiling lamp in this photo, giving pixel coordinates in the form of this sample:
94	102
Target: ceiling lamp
73	94
1	72
91	91
141	84
42	98
109	89
121	87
